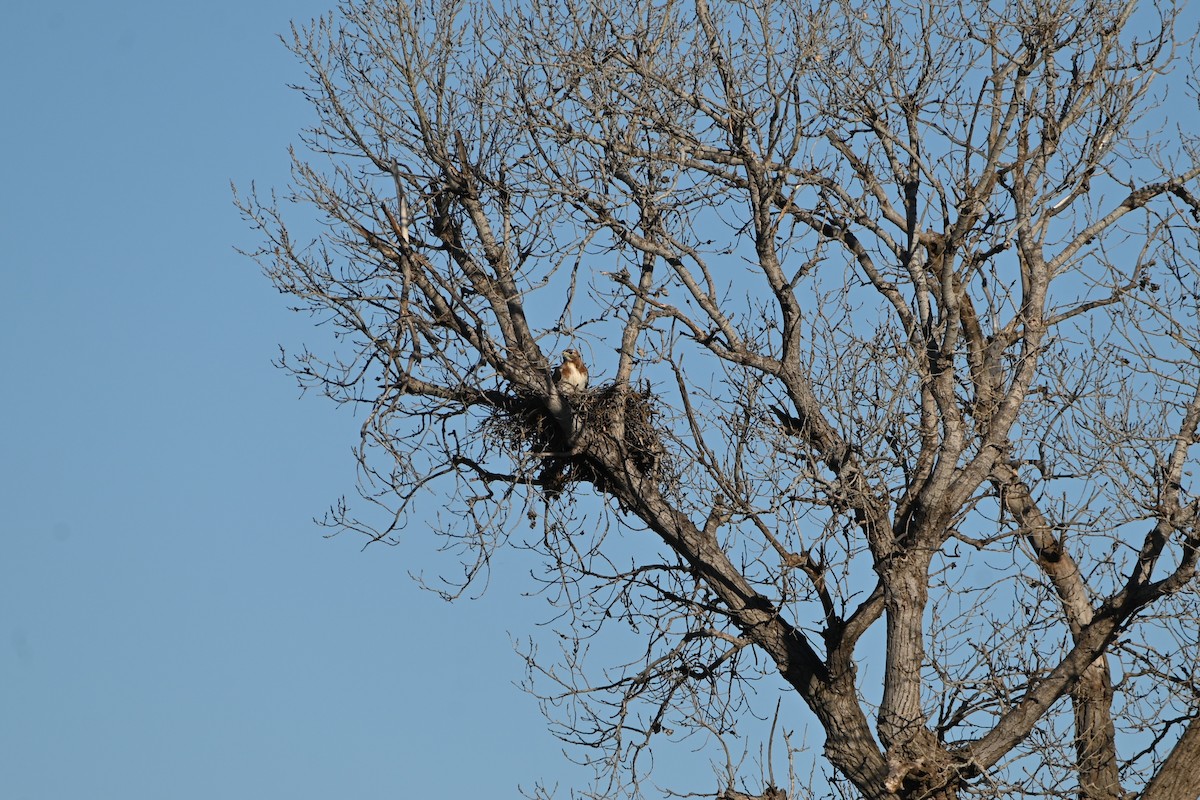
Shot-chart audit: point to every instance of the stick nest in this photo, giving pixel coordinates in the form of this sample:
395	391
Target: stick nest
532	430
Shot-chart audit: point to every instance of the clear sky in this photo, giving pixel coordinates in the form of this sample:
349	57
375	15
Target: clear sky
172	623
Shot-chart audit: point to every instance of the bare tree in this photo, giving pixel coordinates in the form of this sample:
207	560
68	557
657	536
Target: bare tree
892	312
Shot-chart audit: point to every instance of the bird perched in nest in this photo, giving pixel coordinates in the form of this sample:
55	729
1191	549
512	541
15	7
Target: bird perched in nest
572	375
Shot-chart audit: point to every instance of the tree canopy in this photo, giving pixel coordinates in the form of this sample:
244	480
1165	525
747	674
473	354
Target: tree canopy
892	314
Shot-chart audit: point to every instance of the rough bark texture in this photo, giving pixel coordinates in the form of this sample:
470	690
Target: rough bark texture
1178	778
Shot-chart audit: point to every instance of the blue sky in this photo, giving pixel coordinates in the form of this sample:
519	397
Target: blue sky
172	623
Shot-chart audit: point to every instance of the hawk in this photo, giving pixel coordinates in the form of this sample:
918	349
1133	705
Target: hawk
572	376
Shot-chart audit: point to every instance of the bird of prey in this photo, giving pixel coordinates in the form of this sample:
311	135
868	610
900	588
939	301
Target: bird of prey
572	375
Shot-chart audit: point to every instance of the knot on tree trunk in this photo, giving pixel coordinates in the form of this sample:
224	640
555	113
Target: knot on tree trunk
928	775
